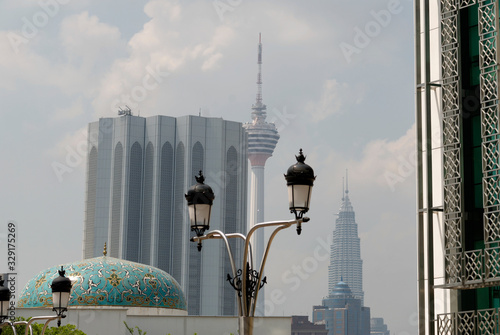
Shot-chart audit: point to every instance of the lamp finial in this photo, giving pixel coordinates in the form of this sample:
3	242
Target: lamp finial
300	158
200	179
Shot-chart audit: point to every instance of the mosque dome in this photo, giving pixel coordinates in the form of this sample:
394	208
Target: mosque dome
107	281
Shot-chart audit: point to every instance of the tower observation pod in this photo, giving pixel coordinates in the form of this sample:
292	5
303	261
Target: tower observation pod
262	139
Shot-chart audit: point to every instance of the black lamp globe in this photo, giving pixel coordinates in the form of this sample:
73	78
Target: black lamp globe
61	288
299	179
200	198
4	301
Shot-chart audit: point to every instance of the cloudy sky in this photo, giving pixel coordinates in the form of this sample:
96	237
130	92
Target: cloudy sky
338	82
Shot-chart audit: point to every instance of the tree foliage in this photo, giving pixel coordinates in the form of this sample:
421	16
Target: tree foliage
132	330
37	329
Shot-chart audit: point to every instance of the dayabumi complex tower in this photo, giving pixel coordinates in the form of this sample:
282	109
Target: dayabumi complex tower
262	139
345	253
139	169
458	166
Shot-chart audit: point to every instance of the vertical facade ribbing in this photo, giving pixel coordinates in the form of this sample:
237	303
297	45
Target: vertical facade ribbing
195	259
88	235
116	201
345	255
179	213
133	223
458	166
140	179
147	222
165	229
231	206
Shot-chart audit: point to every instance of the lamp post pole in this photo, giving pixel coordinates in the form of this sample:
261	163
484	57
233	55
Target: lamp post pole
4	307
247	280
61	288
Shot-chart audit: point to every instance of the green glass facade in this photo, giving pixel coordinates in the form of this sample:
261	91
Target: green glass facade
458	151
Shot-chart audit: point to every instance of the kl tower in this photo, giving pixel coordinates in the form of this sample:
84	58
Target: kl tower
262	139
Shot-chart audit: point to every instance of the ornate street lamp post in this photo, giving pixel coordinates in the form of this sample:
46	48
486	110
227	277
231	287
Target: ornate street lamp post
247	280
61	289
200	198
4	307
4	301
299	179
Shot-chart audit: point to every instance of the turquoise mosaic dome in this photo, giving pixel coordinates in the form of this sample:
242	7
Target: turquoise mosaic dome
107	281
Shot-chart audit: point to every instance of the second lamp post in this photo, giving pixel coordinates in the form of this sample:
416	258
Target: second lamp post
248	280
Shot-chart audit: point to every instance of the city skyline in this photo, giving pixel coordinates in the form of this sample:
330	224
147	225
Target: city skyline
341	94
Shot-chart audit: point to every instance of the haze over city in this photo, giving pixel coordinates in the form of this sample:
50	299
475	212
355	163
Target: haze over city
338	82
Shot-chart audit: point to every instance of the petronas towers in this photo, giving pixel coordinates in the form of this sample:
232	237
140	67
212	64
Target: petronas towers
345	256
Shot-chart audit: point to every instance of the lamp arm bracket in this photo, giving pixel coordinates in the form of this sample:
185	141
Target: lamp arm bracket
38	318
284	224
263	264
10	324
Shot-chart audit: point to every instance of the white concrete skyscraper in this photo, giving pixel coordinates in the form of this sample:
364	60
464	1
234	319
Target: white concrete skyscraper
139	169
262	139
345	255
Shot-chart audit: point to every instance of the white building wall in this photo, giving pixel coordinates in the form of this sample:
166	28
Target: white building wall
99	321
432	300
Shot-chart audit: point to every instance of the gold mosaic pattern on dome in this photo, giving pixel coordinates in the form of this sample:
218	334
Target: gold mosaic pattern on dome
107	281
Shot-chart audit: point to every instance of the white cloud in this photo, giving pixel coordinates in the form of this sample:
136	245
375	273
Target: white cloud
385	221
69	154
390	163
88	46
288	27
81	59
211	62
171	10
165	44
86	39
76	109
335	98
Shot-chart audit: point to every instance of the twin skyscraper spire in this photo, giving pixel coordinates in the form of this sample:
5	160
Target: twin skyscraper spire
345	253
